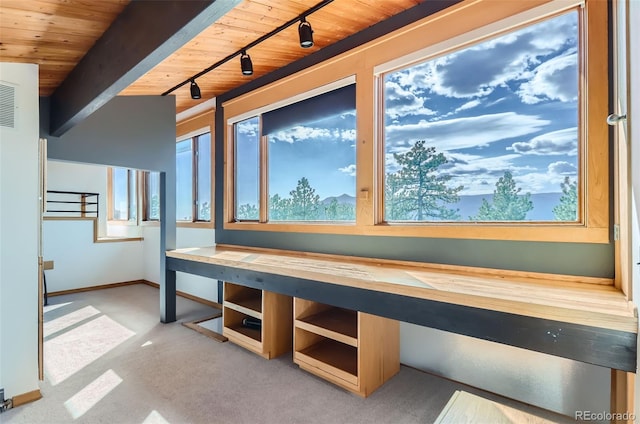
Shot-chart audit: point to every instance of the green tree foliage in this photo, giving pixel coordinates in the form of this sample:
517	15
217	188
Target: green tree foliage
507	204
205	211
392	197
304	203
279	208
336	211
567	209
331	210
248	212
154	207
417	191
346	212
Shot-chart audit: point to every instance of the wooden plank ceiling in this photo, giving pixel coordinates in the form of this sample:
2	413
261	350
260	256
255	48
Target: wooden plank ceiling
56	34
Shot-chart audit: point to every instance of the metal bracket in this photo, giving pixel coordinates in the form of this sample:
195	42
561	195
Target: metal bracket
614	118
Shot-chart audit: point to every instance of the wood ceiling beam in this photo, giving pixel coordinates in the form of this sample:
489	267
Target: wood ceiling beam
143	35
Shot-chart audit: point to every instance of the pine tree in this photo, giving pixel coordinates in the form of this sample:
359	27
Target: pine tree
279	208
305	203
154	208
422	193
331	210
392	198
346	212
336	211
248	212
567	209
205	211
507	203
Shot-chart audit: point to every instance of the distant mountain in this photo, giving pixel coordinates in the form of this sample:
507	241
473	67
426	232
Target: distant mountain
543	204
343	198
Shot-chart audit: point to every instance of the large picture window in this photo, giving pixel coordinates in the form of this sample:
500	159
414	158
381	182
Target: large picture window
310	170
489	132
193	178
122	194
485	122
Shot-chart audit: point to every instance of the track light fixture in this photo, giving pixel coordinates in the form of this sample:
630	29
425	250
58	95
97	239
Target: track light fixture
195	90
306	34
245	64
306	40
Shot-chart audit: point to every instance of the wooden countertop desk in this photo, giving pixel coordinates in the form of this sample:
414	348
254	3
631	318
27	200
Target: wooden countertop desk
580	318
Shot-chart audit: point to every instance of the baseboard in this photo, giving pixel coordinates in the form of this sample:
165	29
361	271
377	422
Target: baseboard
92	288
130	283
187	295
26	398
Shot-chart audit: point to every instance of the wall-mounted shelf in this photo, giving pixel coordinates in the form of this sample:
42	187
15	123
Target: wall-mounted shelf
355	350
274	312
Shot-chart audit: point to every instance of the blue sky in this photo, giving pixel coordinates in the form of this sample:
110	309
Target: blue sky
509	103
322	151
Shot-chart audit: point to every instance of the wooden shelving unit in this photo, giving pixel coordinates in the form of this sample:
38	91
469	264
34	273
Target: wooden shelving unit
354	350
273	310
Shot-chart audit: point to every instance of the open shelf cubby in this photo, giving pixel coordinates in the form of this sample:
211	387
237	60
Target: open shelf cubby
354	350
273	311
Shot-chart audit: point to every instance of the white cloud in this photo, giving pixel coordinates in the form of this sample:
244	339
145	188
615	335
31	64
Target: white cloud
344	135
562	168
541	182
555	79
469	105
299	133
479	174
401	102
390	163
466	106
478	70
460	133
561	142
248	127
349	170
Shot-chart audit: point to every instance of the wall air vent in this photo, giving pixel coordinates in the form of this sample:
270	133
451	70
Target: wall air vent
7	106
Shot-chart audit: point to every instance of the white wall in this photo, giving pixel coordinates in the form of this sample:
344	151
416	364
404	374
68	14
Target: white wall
79	262
19	235
69	176
205	288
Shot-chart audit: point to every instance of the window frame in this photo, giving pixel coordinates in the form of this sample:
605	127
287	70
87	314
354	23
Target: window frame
132	174
192	128
398	47
144	198
263	155
457	44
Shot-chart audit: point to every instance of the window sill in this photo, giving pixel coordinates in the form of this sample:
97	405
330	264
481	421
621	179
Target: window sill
116	239
122	223
179	224
207	225
577	233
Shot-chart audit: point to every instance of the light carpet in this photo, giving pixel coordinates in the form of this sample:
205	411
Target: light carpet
108	359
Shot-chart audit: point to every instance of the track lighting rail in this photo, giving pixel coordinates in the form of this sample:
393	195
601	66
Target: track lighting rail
300	18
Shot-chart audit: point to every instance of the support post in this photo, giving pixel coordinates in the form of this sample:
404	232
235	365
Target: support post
167	277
